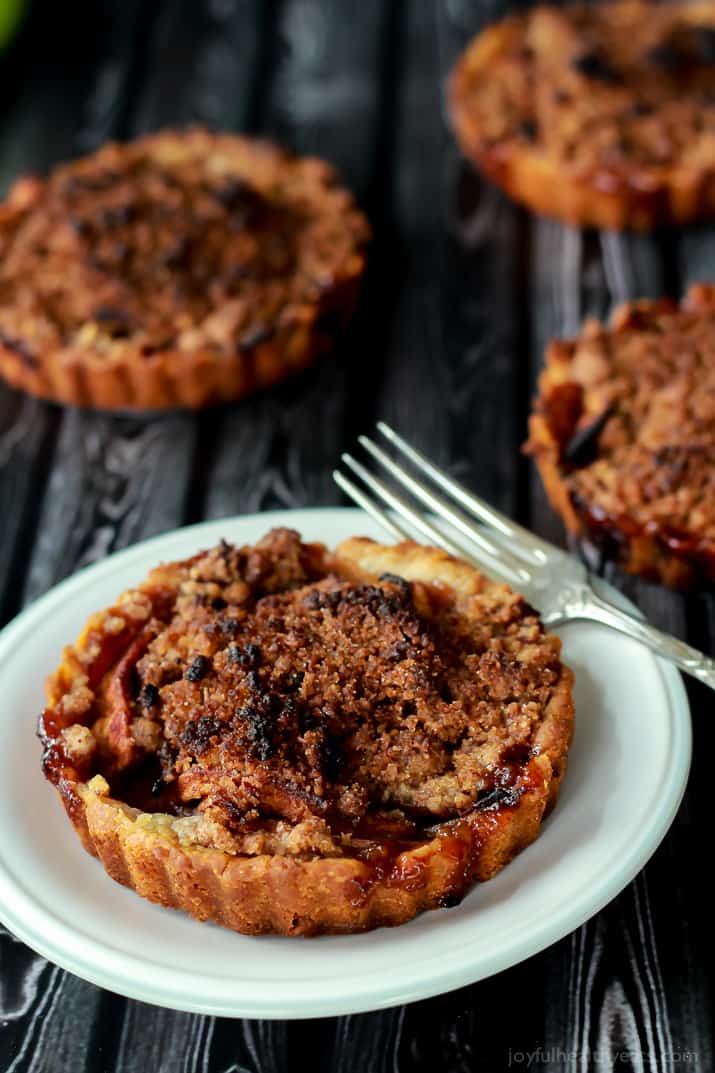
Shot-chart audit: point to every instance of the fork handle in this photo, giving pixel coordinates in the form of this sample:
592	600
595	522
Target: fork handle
689	659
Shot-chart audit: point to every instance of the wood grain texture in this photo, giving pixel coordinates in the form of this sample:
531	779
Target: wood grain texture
324	99
114	481
168	1042
462	293
27	430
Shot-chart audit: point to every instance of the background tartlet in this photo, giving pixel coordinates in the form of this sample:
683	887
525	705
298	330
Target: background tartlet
600	114
178	270
623	434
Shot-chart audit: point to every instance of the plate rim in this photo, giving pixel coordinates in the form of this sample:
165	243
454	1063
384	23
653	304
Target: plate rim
129	975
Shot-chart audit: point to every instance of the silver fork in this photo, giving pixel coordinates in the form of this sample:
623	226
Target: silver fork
556	583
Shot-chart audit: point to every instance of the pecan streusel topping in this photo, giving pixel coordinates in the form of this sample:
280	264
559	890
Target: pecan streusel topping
631	409
181	269
171	242
273	691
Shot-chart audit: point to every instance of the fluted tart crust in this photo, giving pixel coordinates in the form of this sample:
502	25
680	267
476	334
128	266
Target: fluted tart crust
284	739
179	270
599	114
623	434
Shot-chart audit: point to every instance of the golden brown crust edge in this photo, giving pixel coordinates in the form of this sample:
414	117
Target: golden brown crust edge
533	179
178	379
641	554
272	894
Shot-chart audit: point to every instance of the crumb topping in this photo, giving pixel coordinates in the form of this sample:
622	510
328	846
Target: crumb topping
174	241
273	700
610	90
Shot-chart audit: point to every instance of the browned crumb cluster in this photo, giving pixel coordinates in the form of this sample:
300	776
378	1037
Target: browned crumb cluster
387	710
170	256
613	104
624	434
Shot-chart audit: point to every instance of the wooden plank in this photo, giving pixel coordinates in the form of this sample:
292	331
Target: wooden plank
480	1028
686	970
163	1040
27	429
115	481
276	450
408	365
50	1024
204	64
450	381
482	266
369	1043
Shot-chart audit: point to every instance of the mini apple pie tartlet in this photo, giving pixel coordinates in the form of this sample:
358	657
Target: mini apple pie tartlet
177	270
623	434
601	114
279	738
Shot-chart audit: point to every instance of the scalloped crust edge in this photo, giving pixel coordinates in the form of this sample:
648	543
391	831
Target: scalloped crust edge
178	379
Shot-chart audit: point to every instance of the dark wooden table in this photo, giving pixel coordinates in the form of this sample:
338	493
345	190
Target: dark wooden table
462	293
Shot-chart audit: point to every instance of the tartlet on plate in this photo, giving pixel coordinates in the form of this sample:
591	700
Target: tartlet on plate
600	114
623	434
284	739
181	269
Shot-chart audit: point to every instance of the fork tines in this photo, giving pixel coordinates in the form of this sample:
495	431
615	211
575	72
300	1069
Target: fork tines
504	549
